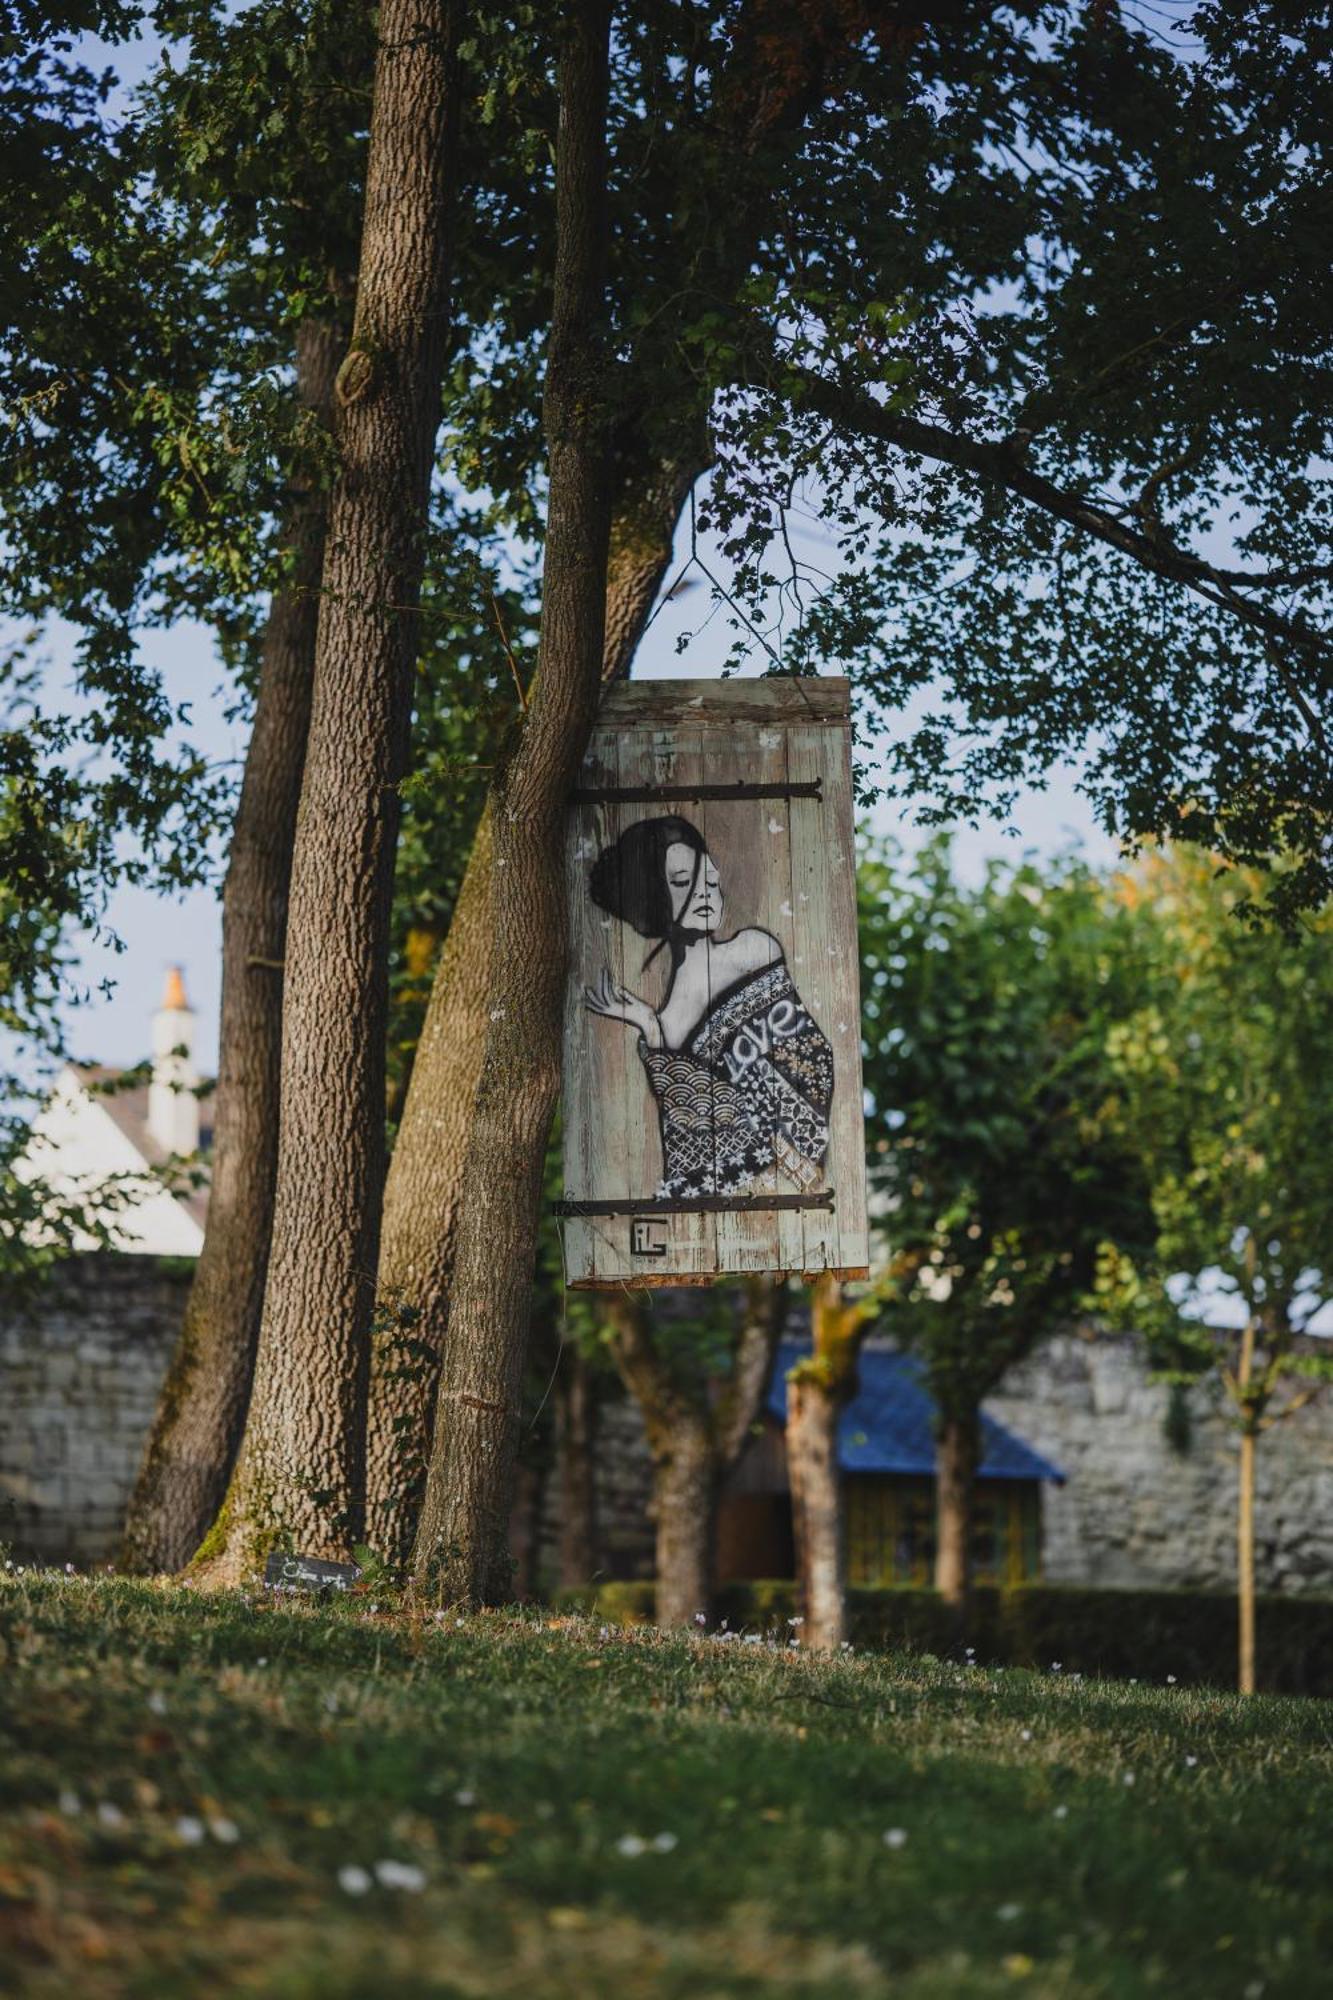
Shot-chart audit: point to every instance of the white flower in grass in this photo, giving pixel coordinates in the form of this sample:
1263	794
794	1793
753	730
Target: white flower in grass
1128	1778
157	1701
465	1798
353	1881
69	1803
896	1837
631	1845
1190	1762
700	1618
70	1570
1026	1735
1170	1680
1009	1913
224	1831
189	1831
846	1646
1061	1812
664	1842
401	1875
109	1814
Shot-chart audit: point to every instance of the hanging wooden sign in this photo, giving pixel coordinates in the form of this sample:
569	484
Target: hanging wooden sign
712	1109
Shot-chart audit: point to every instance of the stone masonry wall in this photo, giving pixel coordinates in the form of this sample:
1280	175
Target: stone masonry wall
80	1371
80	1374
1137	1513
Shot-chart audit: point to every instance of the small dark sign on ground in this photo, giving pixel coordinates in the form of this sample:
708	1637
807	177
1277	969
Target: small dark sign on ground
289	1572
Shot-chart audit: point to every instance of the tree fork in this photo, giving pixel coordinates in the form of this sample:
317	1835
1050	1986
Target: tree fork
425	1179
201	1411
461	1551
299	1477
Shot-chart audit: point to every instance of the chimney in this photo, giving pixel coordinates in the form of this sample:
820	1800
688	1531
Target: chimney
173	1108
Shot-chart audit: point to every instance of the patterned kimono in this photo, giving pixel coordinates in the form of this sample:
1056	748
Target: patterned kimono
747	1092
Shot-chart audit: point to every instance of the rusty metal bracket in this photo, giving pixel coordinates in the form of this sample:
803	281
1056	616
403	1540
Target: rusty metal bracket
704	1204
632	795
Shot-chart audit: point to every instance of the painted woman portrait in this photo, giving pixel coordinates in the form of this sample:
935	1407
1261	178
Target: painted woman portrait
741	1073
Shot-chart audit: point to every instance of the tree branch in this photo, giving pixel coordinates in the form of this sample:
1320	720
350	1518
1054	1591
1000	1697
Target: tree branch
1003	465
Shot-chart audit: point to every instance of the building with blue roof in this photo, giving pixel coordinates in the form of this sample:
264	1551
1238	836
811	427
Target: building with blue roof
886	1455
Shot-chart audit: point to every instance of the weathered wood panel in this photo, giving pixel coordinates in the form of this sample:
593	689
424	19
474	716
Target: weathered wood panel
712	1031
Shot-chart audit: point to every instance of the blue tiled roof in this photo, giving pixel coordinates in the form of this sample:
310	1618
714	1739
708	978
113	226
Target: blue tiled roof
889	1426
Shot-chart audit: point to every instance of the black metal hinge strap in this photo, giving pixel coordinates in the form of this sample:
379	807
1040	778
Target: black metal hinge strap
704	1204
633	795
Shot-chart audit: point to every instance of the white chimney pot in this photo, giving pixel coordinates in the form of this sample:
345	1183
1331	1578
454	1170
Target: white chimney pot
173	1107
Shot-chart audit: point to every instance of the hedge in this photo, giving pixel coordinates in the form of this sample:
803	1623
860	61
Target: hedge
1148	1635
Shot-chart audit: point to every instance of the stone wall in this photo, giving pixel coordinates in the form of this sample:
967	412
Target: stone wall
1138	1512
80	1371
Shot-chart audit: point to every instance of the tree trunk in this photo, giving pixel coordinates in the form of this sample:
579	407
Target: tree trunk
525	1527
813	1409
685	1483
818	1389
299	1478
695	1436
425	1180
1245	1514
461	1550
955	1492
201	1412
575	1435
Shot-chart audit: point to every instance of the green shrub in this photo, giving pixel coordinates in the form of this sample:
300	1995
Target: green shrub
1145	1635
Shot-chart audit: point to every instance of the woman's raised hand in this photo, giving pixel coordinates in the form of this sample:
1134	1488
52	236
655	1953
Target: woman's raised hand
616	1003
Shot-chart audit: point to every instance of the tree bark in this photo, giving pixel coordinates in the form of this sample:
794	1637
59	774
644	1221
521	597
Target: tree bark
201	1412
425	1178
685	1489
813	1409
576	1446
956	1457
818	1389
1245	1514
299	1477
461	1552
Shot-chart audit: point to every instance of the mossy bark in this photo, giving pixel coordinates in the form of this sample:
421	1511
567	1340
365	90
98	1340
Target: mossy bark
461	1553
818	1390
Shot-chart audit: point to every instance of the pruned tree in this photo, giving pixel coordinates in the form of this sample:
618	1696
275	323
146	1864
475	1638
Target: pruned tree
1225	1071
698	1364
997	1131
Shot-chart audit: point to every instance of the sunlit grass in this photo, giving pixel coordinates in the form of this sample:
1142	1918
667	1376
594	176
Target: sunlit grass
243	1794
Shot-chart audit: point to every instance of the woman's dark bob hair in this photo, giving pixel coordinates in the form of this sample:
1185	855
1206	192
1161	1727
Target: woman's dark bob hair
628	878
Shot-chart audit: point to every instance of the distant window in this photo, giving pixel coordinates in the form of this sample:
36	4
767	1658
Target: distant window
890	1528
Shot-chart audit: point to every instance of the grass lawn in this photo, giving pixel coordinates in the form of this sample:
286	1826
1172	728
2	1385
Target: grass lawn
205	1795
